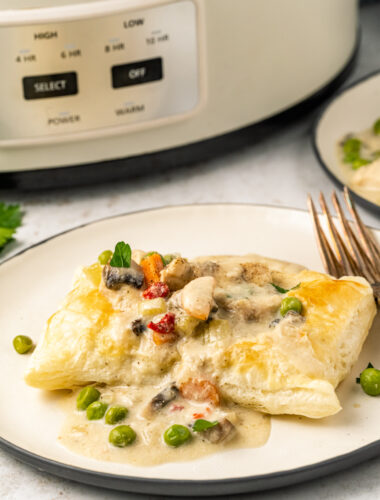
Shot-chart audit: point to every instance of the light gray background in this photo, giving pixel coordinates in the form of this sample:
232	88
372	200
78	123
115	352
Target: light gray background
280	170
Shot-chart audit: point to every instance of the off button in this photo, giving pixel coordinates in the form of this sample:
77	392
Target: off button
44	86
136	73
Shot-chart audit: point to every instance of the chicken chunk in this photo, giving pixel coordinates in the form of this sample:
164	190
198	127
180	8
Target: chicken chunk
252	308
177	274
254	272
222	431
197	297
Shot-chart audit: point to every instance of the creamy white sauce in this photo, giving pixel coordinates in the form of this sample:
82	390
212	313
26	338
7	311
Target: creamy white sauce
90	438
238	292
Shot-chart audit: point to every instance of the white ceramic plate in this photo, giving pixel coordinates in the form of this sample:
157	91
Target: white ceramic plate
353	109
33	283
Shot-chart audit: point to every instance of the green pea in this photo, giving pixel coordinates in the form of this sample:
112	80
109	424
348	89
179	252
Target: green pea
96	410
359	162
376	127
370	381
115	414
104	257
351	146
22	344
87	396
168	258
176	435
122	436
290	304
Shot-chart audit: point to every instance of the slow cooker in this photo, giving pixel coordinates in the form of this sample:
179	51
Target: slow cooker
99	88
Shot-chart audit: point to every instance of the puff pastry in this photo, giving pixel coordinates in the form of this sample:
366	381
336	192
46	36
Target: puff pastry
255	357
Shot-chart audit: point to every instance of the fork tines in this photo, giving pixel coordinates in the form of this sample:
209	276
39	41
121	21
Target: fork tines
353	250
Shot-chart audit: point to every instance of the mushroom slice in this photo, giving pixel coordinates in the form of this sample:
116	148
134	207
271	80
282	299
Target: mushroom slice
114	277
138	327
164	397
222	431
197	297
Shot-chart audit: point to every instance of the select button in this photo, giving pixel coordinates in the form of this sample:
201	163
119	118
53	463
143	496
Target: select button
44	86
125	75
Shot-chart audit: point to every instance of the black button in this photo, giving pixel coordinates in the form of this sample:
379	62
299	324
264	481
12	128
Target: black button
57	85
136	73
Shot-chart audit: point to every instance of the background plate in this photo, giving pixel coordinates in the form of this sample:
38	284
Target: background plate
34	282
352	110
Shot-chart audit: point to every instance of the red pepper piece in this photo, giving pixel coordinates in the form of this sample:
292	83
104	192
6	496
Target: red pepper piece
197	415
158	289
176	408
165	325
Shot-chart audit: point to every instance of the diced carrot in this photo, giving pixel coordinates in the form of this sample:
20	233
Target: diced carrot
152	265
200	390
163	338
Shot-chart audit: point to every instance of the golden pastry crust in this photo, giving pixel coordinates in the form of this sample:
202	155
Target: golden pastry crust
289	366
89	340
295	370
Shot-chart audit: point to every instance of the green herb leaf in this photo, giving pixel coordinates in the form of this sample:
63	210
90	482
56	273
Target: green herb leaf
284	290
5	235
351	157
10	220
352	145
122	255
201	425
10	216
279	289
370	365
359	162
376	127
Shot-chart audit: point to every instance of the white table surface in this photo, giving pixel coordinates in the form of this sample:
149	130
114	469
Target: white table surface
280	170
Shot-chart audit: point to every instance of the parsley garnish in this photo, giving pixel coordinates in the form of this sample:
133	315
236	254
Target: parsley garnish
122	255
10	220
284	290
201	425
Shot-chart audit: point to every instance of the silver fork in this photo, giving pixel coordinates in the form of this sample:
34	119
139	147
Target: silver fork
356	253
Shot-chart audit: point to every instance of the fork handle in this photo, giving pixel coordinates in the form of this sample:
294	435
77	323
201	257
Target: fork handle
376	292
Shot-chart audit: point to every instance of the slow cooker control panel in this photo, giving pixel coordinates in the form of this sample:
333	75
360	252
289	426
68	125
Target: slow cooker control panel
92	75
